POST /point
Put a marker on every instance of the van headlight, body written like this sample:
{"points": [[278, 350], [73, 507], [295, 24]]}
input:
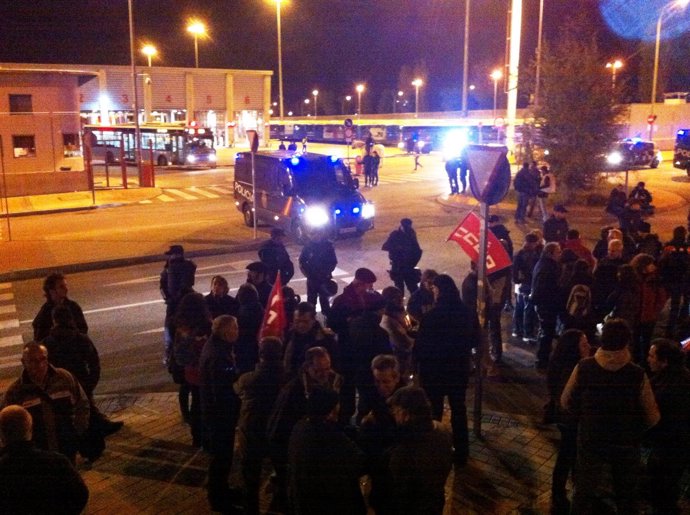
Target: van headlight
{"points": [[368, 210], [316, 216], [191, 158], [212, 157], [614, 158]]}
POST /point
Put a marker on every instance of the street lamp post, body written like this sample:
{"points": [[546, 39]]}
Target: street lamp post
{"points": [[615, 65], [316, 94], [465, 58], [280, 59], [149, 51], [306, 105], [196, 29], [496, 75], [359, 88], [348, 99], [417, 83], [680, 4], [396, 100]]}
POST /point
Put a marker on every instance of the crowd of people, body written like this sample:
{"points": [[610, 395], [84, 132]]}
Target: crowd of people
{"points": [[360, 390]]}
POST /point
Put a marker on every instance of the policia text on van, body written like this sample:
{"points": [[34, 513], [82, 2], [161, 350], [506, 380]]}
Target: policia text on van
{"points": [[301, 193]]}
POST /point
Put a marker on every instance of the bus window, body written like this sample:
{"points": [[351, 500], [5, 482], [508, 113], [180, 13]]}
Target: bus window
{"points": [[70, 144]]}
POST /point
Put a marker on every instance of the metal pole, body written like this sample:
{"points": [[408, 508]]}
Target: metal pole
{"points": [[280, 59], [656, 71], [465, 58], [4, 191], [137, 130], [495, 95], [481, 311], [254, 193], [416, 101], [539, 38], [196, 51]]}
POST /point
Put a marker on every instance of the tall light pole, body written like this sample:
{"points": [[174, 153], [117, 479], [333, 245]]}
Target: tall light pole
{"points": [[137, 130], [537, 79], [396, 100], [679, 4], [496, 75], [465, 58], [149, 51], [197, 29], [348, 99], [417, 83], [615, 65], [306, 105], [359, 89], [280, 58], [316, 95]]}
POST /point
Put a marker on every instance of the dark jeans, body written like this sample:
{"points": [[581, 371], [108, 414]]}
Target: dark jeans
{"points": [[453, 180], [458, 411], [405, 277], [521, 210], [565, 462], [547, 332], [591, 472], [524, 316], [665, 468], [494, 313], [316, 289], [195, 416], [253, 448]]}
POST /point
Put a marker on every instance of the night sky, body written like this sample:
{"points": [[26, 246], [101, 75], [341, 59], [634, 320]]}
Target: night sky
{"points": [[327, 44]]}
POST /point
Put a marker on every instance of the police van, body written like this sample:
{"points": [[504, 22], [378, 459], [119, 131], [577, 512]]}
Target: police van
{"points": [[301, 193]]}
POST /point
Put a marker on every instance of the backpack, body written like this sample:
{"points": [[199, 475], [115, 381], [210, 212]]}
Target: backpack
{"points": [[579, 303]]}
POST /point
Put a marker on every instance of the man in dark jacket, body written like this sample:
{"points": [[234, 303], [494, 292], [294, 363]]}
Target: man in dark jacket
{"points": [[546, 299], [670, 438], [325, 465], [613, 401], [257, 275], [443, 349], [258, 391], [556, 227], [317, 262], [674, 271], [605, 277], [523, 266], [55, 291], [219, 407], [274, 256], [306, 333], [526, 188], [33, 480], [422, 300], [404, 253]]}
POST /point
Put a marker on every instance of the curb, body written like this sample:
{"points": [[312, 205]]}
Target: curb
{"points": [[35, 273]]}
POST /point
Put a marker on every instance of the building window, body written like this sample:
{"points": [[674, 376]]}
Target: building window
{"points": [[24, 146], [21, 104], [70, 144]]}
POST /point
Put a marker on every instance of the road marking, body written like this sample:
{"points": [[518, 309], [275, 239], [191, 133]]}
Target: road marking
{"points": [[9, 324], [150, 331], [205, 193], [11, 341], [10, 308], [5, 286], [6, 296], [165, 198], [181, 193], [147, 201], [220, 189]]}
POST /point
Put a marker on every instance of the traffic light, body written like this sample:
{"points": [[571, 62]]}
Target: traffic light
{"points": [[651, 119]]}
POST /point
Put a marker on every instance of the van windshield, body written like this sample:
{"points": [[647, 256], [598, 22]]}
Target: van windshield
{"points": [[322, 177]]}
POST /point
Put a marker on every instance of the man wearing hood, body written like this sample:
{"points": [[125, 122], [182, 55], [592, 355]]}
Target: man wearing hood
{"points": [[613, 401]]}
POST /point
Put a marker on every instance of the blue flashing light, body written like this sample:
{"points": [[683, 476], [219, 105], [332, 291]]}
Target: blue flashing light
{"points": [[334, 159], [355, 210], [338, 211], [681, 132], [294, 161]]}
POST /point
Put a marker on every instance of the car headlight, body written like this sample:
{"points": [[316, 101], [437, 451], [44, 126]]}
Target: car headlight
{"points": [[614, 158], [316, 216], [368, 210], [191, 158], [212, 157]]}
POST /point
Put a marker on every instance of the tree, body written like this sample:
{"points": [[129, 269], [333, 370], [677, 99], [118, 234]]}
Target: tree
{"points": [[577, 114]]}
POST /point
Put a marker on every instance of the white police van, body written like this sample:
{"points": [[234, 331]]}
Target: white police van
{"points": [[301, 193]]}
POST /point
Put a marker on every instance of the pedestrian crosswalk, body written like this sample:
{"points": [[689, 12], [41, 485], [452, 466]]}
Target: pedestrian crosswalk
{"points": [[191, 193], [11, 340]]}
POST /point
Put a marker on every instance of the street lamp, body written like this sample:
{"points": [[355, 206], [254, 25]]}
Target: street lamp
{"points": [[280, 58], [496, 75], [615, 65], [348, 99], [149, 51], [679, 4], [316, 94], [197, 29], [417, 83], [396, 100], [359, 89]]}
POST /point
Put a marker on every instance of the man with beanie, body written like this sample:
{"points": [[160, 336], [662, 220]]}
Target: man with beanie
{"points": [[614, 404]]}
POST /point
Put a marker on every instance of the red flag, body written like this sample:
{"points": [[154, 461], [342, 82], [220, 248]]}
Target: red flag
{"points": [[274, 321], [466, 234]]}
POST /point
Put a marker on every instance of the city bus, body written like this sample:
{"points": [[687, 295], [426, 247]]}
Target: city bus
{"points": [[172, 143], [681, 150]]}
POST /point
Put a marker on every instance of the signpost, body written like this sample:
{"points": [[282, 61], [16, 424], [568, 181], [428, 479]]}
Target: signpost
{"points": [[348, 136], [253, 137], [489, 183]]}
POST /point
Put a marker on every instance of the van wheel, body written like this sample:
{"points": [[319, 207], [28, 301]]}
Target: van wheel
{"points": [[162, 161], [248, 216]]}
